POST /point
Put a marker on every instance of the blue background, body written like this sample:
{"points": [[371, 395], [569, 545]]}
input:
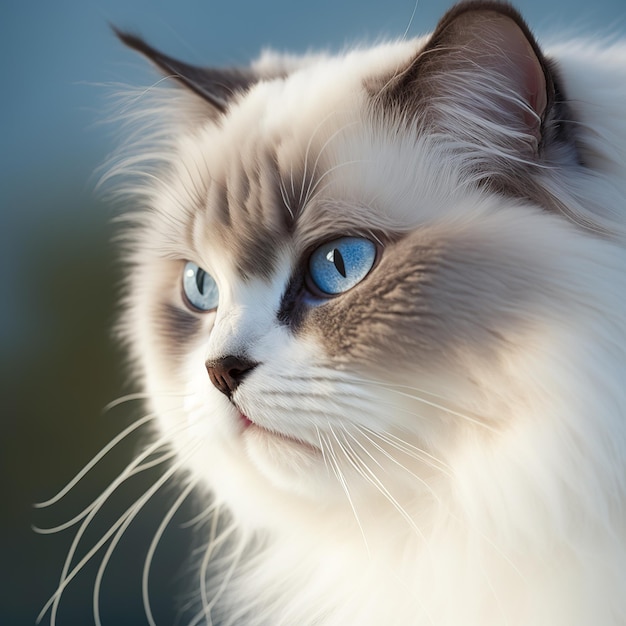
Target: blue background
{"points": [[58, 366]]}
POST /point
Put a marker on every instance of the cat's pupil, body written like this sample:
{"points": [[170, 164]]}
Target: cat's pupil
{"points": [[200, 280], [334, 256]]}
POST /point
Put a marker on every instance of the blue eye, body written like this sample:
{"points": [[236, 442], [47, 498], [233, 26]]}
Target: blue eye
{"points": [[200, 288], [341, 264]]}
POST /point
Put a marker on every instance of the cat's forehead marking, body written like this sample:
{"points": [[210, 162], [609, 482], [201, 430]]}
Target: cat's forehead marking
{"points": [[254, 205], [249, 218]]}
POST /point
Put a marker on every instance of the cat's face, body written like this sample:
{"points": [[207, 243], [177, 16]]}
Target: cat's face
{"points": [[327, 300]]}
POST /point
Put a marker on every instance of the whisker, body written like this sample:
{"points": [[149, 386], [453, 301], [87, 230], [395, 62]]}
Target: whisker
{"points": [[197, 519], [394, 389], [72, 522], [321, 446], [283, 193], [487, 579], [124, 521], [344, 485], [368, 474], [235, 559], [213, 544], [371, 477], [137, 396], [417, 453], [293, 190], [123, 399], [64, 579], [96, 459], [380, 383], [408, 27], [306, 156], [207, 551], [307, 196], [394, 461], [446, 470], [311, 192], [153, 546]]}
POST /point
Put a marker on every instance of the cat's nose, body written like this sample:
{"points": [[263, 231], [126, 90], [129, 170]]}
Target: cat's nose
{"points": [[226, 373]]}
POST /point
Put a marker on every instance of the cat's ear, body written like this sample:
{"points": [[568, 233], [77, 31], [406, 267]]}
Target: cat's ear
{"points": [[481, 66], [216, 86]]}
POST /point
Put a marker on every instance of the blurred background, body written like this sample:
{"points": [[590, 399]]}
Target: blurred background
{"points": [[59, 366]]}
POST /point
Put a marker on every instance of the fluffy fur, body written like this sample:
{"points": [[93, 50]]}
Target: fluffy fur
{"points": [[445, 443]]}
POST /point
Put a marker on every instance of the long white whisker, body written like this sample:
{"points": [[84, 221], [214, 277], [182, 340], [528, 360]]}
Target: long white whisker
{"points": [[344, 485], [54, 600], [283, 193], [392, 440], [138, 396], [435, 405], [208, 551], [364, 470], [306, 160], [72, 522], [311, 191], [307, 196], [293, 189], [119, 528], [213, 544], [408, 27], [319, 154], [388, 385], [197, 519], [235, 559], [319, 438], [126, 519], [418, 454], [96, 459], [123, 399], [487, 579], [448, 410], [393, 460], [439, 466], [153, 546]]}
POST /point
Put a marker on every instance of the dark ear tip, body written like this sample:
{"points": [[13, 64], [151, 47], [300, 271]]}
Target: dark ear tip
{"points": [[122, 35], [215, 86], [132, 40]]}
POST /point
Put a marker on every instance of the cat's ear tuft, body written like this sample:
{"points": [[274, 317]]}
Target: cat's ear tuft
{"points": [[216, 86], [481, 59]]}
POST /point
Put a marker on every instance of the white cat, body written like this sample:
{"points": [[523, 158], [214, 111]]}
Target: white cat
{"points": [[378, 303]]}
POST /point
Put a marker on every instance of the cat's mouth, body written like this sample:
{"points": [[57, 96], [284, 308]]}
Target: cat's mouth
{"points": [[257, 430], [245, 420]]}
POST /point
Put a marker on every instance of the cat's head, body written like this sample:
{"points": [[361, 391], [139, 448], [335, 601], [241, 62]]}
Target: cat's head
{"points": [[344, 269]]}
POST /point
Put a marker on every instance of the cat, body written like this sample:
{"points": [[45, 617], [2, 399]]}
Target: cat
{"points": [[377, 302]]}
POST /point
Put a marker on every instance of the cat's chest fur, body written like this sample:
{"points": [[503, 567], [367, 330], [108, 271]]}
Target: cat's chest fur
{"points": [[449, 577]]}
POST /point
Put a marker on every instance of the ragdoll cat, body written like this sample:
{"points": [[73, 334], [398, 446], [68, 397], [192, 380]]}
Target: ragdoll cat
{"points": [[378, 303]]}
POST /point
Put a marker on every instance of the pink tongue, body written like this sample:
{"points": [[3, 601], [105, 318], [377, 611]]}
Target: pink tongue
{"points": [[246, 421]]}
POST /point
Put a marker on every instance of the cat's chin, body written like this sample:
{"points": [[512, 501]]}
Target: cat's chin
{"points": [[288, 463]]}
